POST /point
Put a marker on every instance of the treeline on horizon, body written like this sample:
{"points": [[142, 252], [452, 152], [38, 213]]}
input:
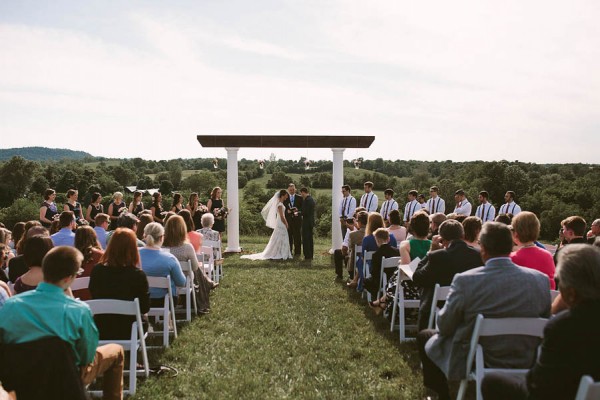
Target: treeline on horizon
{"points": [[552, 191]]}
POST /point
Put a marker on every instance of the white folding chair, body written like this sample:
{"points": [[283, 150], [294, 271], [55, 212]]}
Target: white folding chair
{"points": [[357, 255], [440, 293], [588, 389], [494, 327], [80, 283], [218, 257], [367, 258], [554, 294], [136, 342], [188, 290], [400, 305], [386, 263], [167, 311], [206, 259]]}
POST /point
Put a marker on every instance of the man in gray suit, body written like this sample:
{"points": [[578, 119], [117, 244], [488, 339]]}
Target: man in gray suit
{"points": [[499, 289]]}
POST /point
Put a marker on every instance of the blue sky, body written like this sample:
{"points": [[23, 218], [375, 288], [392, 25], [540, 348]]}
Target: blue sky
{"points": [[432, 81]]}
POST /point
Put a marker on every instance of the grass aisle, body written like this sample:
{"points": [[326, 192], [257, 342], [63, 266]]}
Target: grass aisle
{"points": [[286, 330]]}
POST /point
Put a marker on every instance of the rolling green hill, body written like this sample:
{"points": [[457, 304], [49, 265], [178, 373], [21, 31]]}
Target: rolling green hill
{"points": [[42, 154]]}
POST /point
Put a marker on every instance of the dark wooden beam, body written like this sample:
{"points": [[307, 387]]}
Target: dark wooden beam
{"points": [[287, 141]]}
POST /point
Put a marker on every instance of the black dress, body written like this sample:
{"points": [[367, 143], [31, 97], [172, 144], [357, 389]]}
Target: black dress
{"points": [[76, 209], [95, 211], [51, 211], [115, 213], [219, 225], [121, 283]]}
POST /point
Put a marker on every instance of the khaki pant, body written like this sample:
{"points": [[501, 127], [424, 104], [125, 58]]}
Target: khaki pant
{"points": [[108, 362]]}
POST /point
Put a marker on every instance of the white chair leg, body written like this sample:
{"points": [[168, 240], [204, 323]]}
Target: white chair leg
{"points": [[462, 389], [395, 305]]}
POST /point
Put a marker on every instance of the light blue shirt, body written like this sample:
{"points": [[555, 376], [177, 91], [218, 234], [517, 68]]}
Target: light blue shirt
{"points": [[48, 312], [161, 263], [101, 235], [64, 237]]}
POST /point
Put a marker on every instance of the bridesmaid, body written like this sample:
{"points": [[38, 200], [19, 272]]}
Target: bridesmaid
{"points": [[114, 209], [177, 203], [94, 209], [156, 209], [214, 205], [194, 207], [136, 206], [48, 209], [73, 205]]}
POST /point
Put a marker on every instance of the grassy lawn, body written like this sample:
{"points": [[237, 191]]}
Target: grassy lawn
{"points": [[286, 329]]}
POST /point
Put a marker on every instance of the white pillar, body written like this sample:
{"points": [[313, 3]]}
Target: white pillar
{"points": [[336, 198], [233, 202]]}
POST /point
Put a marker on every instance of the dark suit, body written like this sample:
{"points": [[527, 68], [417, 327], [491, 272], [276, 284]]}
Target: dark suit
{"points": [[570, 349], [308, 223], [294, 222], [440, 266]]}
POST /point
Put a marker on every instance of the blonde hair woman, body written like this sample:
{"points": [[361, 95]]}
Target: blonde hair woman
{"points": [[115, 208]]}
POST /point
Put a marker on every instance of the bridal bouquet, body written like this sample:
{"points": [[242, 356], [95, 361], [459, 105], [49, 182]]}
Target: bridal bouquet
{"points": [[221, 213]]}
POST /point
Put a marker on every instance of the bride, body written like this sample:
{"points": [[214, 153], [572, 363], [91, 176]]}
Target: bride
{"points": [[278, 247]]}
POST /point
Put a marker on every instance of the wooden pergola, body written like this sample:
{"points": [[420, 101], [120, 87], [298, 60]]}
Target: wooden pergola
{"points": [[232, 143]]}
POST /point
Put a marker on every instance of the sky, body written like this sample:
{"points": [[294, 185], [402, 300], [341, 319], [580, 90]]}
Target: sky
{"points": [[434, 80]]}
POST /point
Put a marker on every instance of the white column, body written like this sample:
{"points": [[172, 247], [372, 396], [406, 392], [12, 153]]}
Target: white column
{"points": [[233, 202], [336, 198]]}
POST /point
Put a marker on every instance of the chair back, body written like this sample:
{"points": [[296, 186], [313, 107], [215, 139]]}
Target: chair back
{"points": [[214, 244], [159, 282], [554, 294], [588, 389], [440, 293], [80, 283]]}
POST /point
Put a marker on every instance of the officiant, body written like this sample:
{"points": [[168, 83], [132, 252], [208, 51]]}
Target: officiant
{"points": [[294, 219]]}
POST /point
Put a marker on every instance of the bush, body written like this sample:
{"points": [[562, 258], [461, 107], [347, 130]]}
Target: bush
{"points": [[21, 210]]}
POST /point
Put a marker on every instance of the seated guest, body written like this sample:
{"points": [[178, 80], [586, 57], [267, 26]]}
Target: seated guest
{"points": [[118, 276], [194, 237], [355, 239], [384, 250], [87, 243], [340, 256], [570, 348], [396, 228], [435, 222], [129, 221], [16, 266], [505, 219], [208, 220], [5, 239], [526, 229], [500, 289], [472, 227], [48, 312], [573, 231], [178, 244], [440, 266], [17, 233], [4, 293], [65, 235], [374, 222], [4, 254], [591, 236], [417, 246], [145, 219], [34, 250], [101, 222], [159, 263]]}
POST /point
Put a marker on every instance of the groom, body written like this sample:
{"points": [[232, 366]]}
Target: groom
{"points": [[308, 222], [293, 205]]}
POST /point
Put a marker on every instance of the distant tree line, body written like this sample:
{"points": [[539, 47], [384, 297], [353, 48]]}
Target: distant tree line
{"points": [[552, 191]]}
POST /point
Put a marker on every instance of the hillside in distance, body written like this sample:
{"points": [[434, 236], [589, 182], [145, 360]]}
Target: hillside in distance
{"points": [[42, 154]]}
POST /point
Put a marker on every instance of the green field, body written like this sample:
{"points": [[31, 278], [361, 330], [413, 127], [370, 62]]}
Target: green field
{"points": [[286, 329]]}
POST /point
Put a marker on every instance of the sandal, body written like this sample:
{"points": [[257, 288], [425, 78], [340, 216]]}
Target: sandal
{"points": [[377, 308]]}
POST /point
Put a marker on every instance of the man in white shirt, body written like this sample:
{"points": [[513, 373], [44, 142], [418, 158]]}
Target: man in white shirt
{"points": [[347, 207], [369, 200], [421, 200], [463, 207], [486, 210], [388, 205], [412, 206], [435, 204], [510, 207]]}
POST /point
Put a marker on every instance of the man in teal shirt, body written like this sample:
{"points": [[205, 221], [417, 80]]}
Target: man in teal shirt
{"points": [[48, 312]]}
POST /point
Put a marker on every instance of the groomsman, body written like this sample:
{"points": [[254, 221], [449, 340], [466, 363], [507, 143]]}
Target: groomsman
{"points": [[435, 204], [412, 206], [510, 207], [463, 207], [308, 223], [293, 204], [421, 200], [347, 207], [388, 205], [369, 200], [486, 211]]}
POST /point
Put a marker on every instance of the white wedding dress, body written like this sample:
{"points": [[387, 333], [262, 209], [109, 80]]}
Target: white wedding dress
{"points": [[278, 247]]}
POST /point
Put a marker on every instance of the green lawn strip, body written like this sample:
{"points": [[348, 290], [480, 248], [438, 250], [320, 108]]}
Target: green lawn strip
{"points": [[286, 329]]}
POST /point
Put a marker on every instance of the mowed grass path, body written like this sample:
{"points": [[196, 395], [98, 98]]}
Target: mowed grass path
{"points": [[286, 329]]}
